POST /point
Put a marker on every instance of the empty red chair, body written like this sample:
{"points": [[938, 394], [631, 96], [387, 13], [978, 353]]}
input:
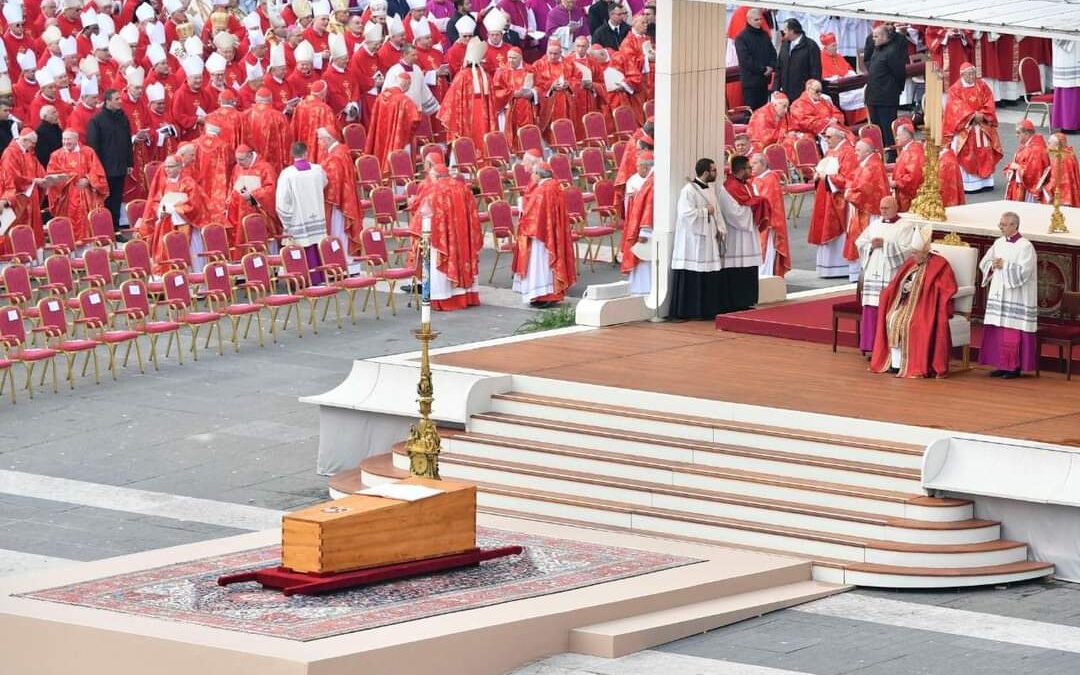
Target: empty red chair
{"points": [[497, 150], [217, 248], [139, 315], [257, 238], [355, 136], [60, 235], [13, 340], [260, 289], [139, 265], [592, 163], [489, 181], [24, 250], [95, 321], [61, 280], [604, 205], [402, 169], [625, 122], [377, 257], [178, 255], [575, 208], [18, 290], [617, 152], [150, 170], [369, 173], [99, 273], [463, 155], [220, 298], [1035, 96], [134, 210], [102, 232], [178, 299], [595, 130], [530, 138], [776, 158], [52, 323], [563, 138], [561, 169], [336, 268], [502, 230], [297, 278], [522, 178]]}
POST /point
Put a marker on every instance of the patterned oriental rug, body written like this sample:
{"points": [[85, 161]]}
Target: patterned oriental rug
{"points": [[189, 592]]}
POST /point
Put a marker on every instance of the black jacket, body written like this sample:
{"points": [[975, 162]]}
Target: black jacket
{"points": [[109, 134], [797, 66], [755, 52], [597, 15], [609, 38], [7, 133], [49, 140], [885, 67]]}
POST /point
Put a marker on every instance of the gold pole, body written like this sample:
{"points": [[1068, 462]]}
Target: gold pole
{"points": [[927, 203], [1057, 218], [423, 444]]}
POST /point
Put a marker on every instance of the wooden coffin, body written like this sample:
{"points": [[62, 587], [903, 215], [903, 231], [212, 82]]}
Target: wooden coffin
{"points": [[362, 531]]}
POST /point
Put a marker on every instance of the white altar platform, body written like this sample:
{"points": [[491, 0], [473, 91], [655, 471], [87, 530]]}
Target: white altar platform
{"points": [[982, 220]]}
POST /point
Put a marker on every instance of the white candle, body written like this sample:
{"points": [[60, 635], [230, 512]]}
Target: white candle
{"points": [[426, 226], [425, 314]]}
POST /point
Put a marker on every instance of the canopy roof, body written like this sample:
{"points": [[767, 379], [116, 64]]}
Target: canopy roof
{"points": [[1039, 18]]}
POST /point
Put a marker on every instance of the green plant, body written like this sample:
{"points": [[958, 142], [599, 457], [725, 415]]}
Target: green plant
{"points": [[550, 319]]}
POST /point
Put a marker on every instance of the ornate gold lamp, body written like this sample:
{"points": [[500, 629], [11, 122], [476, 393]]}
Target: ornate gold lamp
{"points": [[423, 444], [927, 203], [1057, 218]]}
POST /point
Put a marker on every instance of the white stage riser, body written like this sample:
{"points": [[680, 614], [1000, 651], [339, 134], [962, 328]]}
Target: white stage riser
{"points": [[708, 434], [740, 537], [705, 458], [860, 578], [745, 487], [704, 506]]}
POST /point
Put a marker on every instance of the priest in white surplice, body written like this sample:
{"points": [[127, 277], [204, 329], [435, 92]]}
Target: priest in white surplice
{"points": [[301, 205], [696, 264], [1011, 319], [743, 213], [883, 247]]}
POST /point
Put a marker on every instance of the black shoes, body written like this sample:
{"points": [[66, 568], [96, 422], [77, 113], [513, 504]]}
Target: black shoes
{"points": [[1006, 374], [998, 373]]}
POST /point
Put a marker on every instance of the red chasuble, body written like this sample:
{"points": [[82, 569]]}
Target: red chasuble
{"points": [[310, 115], [456, 234], [214, 158], [185, 105], [79, 119], [765, 129], [868, 186], [544, 218], [365, 66], [555, 104], [341, 191], [238, 207], [159, 226], [813, 117], [393, 122], [1069, 178], [22, 168], [829, 218], [1034, 170], [519, 112], [927, 341], [768, 187], [469, 107], [231, 122], [950, 51], [639, 214], [979, 146], [952, 183], [908, 173], [268, 132], [633, 52], [68, 199], [138, 114]]}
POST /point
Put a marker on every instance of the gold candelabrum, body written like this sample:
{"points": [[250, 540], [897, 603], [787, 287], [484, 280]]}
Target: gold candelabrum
{"points": [[423, 444], [1057, 218], [927, 203]]}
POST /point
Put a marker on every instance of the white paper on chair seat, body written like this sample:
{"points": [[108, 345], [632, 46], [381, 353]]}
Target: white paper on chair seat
{"points": [[334, 245], [294, 254], [178, 281], [404, 492], [828, 166], [376, 236], [95, 299], [133, 290], [256, 263], [219, 272], [13, 314], [613, 79], [54, 306]]}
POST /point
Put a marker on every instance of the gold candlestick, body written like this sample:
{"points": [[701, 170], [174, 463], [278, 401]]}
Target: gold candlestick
{"points": [[1057, 218], [423, 444], [927, 203]]}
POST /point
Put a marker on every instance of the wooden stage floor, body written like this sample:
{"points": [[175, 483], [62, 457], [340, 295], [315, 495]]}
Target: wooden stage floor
{"points": [[694, 359]]}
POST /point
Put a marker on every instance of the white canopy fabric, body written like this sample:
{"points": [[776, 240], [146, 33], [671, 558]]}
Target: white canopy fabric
{"points": [[1038, 18]]}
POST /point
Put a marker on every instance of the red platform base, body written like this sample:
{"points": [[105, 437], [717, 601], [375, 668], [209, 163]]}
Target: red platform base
{"points": [[303, 583]]}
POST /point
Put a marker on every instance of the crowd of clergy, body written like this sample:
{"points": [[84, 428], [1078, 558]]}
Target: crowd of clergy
{"points": [[245, 113]]}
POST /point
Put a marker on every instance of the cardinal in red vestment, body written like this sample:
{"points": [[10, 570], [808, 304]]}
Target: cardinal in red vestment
{"points": [[556, 80], [470, 107], [1068, 175], [950, 178], [912, 338], [228, 119], [774, 236], [639, 216], [192, 101], [84, 188], [160, 218], [813, 113], [163, 135], [907, 175], [1029, 170], [138, 113], [545, 264], [252, 190], [456, 239], [393, 121], [639, 56], [829, 218], [950, 48], [214, 157], [344, 215], [364, 65], [311, 114], [868, 185], [622, 94], [268, 131], [769, 125], [515, 96], [22, 166], [970, 125]]}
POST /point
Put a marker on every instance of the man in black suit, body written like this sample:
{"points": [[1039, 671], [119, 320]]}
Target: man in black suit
{"points": [[610, 34], [800, 60], [886, 64], [757, 60]]}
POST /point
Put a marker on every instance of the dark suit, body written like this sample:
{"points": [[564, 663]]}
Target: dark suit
{"points": [[609, 37], [756, 53], [797, 66], [885, 78]]}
